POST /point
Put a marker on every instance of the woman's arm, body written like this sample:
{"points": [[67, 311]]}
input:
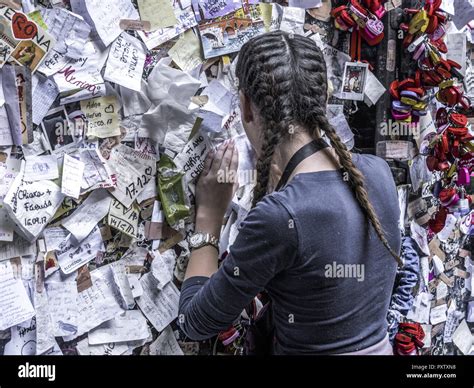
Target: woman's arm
{"points": [[267, 243]]}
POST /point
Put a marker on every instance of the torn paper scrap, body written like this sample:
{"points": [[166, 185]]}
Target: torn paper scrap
{"points": [[88, 214]]}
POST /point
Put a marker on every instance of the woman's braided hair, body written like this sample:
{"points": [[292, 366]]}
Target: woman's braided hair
{"points": [[284, 75]]}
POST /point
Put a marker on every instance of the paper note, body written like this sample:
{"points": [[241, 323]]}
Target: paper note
{"points": [[123, 219], [62, 305], [130, 326], [39, 168], [125, 62], [73, 170], [160, 307], [162, 270], [133, 171], [71, 33], [88, 214], [186, 53], [111, 349], [438, 314], [99, 303], [159, 13], [373, 89], [15, 306], [107, 14], [44, 324], [191, 159], [166, 344], [185, 19], [462, 337], [32, 205], [102, 116], [23, 339], [456, 43], [43, 97], [82, 76], [73, 255], [96, 173]]}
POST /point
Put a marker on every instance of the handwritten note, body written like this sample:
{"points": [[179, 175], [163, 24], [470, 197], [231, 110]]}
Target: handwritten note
{"points": [[159, 13], [32, 204], [123, 219], [186, 20], [191, 159], [73, 255], [186, 53], [160, 307], [133, 171], [15, 306], [44, 167], [130, 326], [106, 15], [125, 62], [99, 303], [166, 344], [88, 214], [62, 305], [102, 116], [73, 170]]}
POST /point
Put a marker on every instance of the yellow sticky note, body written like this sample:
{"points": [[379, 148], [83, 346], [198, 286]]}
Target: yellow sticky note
{"points": [[160, 13], [102, 116], [186, 53]]}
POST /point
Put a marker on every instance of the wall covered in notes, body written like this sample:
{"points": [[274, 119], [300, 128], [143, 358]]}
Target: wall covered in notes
{"points": [[108, 109]]}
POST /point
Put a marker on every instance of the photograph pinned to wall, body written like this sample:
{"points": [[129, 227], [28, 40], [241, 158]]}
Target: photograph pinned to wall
{"points": [[227, 34], [353, 82], [7, 41], [56, 128], [28, 54]]}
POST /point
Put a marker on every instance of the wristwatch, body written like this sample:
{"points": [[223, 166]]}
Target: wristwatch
{"points": [[199, 239]]}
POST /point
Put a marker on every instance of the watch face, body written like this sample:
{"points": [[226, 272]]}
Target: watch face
{"points": [[196, 239]]}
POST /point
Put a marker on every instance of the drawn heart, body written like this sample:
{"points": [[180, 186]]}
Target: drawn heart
{"points": [[109, 109], [22, 27]]}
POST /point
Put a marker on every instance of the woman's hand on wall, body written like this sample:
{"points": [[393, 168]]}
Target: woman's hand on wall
{"points": [[216, 186]]}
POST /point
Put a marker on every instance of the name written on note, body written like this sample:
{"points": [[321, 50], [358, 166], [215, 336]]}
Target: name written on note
{"points": [[123, 219], [102, 116], [33, 204], [191, 159], [125, 63]]}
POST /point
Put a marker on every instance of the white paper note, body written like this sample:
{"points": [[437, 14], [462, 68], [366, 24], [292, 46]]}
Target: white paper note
{"points": [[107, 14], [130, 326], [166, 344], [160, 307], [73, 170], [72, 255], [15, 306], [88, 214], [125, 62], [39, 168]]}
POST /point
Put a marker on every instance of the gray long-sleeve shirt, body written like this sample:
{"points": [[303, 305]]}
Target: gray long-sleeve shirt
{"points": [[329, 276]]}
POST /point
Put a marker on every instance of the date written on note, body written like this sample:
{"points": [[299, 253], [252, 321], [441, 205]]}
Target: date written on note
{"points": [[102, 116]]}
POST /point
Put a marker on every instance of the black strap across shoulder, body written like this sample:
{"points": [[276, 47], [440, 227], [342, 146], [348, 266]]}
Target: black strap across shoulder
{"points": [[304, 152]]}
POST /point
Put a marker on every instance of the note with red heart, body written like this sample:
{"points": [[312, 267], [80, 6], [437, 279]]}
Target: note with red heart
{"points": [[23, 28]]}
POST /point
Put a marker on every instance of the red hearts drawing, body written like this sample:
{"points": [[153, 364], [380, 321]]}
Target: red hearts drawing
{"points": [[22, 27]]}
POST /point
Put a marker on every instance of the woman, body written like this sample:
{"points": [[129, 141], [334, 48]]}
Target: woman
{"points": [[323, 247]]}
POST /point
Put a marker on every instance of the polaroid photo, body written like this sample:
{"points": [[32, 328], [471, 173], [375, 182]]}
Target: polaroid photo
{"points": [[56, 128], [354, 80]]}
